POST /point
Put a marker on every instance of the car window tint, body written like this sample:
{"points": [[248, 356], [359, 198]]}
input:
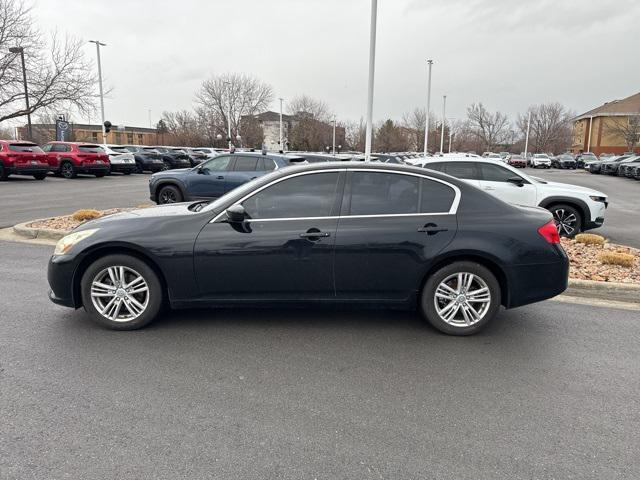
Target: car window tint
{"points": [[217, 164], [310, 195], [46, 148], [435, 197], [265, 165], [90, 149], [495, 173], [60, 147], [466, 170], [435, 166], [245, 164], [25, 147], [377, 193]]}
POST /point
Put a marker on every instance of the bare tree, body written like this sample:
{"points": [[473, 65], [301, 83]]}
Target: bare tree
{"points": [[183, 129], [626, 128], [491, 129], [58, 75], [305, 105], [550, 127], [355, 133], [230, 95], [311, 129]]}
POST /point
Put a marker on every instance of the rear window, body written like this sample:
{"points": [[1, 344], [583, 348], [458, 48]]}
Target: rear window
{"points": [[121, 149], [25, 147], [90, 149]]}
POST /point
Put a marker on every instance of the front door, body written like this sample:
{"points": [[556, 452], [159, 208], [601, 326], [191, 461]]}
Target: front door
{"points": [[495, 180], [208, 180], [283, 251], [392, 225]]}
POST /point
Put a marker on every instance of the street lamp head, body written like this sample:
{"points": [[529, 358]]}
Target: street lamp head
{"points": [[16, 50]]}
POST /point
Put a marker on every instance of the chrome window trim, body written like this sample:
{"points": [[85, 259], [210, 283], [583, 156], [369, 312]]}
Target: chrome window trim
{"points": [[452, 210]]}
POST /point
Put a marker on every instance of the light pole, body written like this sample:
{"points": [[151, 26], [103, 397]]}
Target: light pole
{"points": [[334, 135], [228, 84], [450, 134], [281, 140], [589, 139], [372, 67], [526, 138], [426, 127], [98, 45], [444, 120], [20, 50]]}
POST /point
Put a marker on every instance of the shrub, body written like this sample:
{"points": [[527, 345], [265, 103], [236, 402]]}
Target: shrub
{"points": [[85, 214], [590, 239], [616, 258]]}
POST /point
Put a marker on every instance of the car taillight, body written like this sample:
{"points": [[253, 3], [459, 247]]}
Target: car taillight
{"points": [[549, 232]]}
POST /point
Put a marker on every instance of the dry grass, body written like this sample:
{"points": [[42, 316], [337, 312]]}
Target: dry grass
{"points": [[85, 214], [590, 239], [616, 258], [144, 205]]}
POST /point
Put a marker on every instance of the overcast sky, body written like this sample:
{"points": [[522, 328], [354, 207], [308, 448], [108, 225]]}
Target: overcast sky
{"points": [[506, 53]]}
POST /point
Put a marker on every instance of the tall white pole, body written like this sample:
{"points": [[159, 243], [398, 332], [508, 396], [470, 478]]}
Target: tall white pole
{"points": [[444, 120], [372, 67], [450, 138], [589, 139], [426, 126], [281, 137], [334, 135], [526, 139], [98, 45], [228, 84]]}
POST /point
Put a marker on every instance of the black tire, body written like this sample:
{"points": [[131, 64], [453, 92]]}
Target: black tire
{"points": [[139, 167], [40, 176], [167, 165], [154, 298], [457, 325], [3, 173], [100, 175], [568, 219], [169, 194], [67, 170], [127, 172]]}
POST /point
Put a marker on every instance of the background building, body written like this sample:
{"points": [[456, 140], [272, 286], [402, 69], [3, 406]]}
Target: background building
{"points": [[81, 132], [611, 128]]}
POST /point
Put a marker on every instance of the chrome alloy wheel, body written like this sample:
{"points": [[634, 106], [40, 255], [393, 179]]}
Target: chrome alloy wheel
{"points": [[119, 293], [462, 299], [565, 222]]}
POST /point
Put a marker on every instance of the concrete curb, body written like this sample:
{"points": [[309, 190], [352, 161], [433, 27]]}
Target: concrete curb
{"points": [[620, 292], [41, 233]]}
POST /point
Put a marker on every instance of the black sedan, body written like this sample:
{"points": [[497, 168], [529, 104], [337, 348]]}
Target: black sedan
{"points": [[213, 178], [146, 160], [563, 161], [325, 233]]}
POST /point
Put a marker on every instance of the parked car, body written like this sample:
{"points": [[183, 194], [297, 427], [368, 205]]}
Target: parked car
{"points": [[574, 208], [211, 152], [611, 167], [71, 158], [196, 156], [494, 156], [628, 169], [215, 177], [517, 161], [583, 158], [119, 161], [540, 160], [147, 160], [22, 158], [323, 233], [564, 161], [171, 158]]}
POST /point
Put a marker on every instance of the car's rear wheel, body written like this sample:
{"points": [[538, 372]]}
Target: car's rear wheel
{"points": [[568, 220], [121, 292], [460, 298], [169, 194], [99, 175], [67, 170]]}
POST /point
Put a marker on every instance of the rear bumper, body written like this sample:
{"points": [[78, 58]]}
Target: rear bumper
{"points": [[92, 169], [123, 167], [40, 168], [533, 283]]}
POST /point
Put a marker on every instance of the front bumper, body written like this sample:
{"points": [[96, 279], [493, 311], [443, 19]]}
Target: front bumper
{"points": [[60, 274]]}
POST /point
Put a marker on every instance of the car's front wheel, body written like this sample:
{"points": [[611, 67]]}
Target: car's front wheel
{"points": [[121, 292], [67, 170], [568, 220], [460, 298], [169, 194]]}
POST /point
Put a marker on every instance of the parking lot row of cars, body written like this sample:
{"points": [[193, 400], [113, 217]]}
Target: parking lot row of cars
{"points": [[68, 159], [627, 165]]}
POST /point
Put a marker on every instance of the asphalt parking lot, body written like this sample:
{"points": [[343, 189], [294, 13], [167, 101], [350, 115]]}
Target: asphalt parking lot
{"points": [[547, 391], [25, 199]]}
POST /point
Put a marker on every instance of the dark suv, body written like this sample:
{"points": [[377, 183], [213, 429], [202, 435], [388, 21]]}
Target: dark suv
{"points": [[146, 160], [22, 158], [215, 177], [564, 161], [172, 158], [71, 158]]}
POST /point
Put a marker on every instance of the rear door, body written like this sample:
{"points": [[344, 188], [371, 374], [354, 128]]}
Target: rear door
{"points": [[245, 168], [494, 180], [391, 226]]}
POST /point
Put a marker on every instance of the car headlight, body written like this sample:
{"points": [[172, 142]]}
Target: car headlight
{"points": [[597, 199], [65, 243]]}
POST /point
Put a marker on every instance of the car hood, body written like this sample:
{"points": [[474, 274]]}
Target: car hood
{"points": [[140, 214], [169, 173], [564, 188]]}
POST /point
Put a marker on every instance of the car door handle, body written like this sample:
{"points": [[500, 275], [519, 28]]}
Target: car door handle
{"points": [[314, 233], [431, 229], [220, 177], [489, 188]]}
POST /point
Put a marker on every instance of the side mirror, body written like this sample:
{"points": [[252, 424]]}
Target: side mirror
{"points": [[236, 214], [202, 171], [518, 181]]}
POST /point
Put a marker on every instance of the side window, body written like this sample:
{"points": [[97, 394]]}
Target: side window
{"points": [[57, 147], [245, 164], [495, 173], [377, 193], [46, 148], [265, 165], [466, 170], [217, 164], [435, 197], [310, 195], [438, 166]]}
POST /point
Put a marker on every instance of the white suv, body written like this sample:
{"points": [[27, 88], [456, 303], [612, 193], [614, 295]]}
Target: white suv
{"points": [[574, 208], [541, 160]]}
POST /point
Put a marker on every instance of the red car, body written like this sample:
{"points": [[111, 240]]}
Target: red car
{"points": [[22, 158], [517, 161], [71, 158]]}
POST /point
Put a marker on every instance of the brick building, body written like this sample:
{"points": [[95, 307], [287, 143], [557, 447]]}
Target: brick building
{"points": [[81, 132]]}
